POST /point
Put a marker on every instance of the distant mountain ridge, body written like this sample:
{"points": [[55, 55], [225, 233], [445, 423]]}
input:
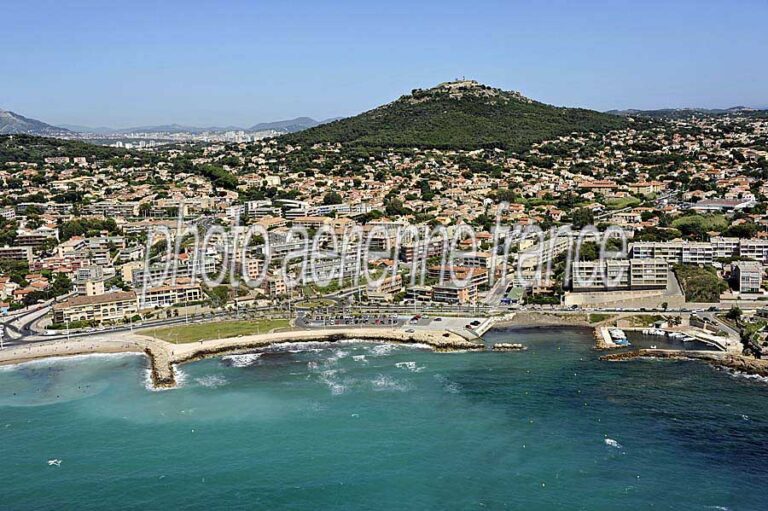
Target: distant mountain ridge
{"points": [[678, 113], [286, 126], [13, 124], [459, 115]]}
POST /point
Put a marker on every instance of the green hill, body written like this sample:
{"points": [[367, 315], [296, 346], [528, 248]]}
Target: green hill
{"points": [[35, 149], [459, 115]]}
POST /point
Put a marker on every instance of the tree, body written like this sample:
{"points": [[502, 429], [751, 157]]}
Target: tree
{"points": [[734, 314], [582, 217], [332, 198]]}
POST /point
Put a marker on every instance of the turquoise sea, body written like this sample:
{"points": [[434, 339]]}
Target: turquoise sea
{"points": [[361, 426]]}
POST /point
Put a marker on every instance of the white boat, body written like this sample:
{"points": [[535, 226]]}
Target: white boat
{"points": [[617, 333], [618, 336]]}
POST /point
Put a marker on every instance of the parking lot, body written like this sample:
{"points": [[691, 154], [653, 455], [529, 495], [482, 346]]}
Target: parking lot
{"points": [[428, 322]]}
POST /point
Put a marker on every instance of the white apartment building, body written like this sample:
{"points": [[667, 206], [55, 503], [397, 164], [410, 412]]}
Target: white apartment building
{"points": [[619, 274], [748, 276], [165, 296], [676, 252], [106, 307]]}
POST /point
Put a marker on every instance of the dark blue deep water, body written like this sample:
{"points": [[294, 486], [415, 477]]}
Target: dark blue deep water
{"points": [[355, 426]]}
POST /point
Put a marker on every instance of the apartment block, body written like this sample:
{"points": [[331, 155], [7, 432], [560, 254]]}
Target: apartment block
{"points": [[675, 252], [16, 253], [620, 274], [747, 276], [106, 307]]}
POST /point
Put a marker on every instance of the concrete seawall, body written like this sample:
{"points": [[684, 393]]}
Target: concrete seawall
{"points": [[163, 355]]}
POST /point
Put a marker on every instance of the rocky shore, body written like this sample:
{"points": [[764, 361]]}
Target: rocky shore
{"points": [[738, 363]]}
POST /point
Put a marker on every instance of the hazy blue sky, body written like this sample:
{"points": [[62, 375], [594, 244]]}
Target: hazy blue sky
{"points": [[241, 62]]}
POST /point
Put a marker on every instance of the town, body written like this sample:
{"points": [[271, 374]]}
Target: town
{"points": [[88, 236]]}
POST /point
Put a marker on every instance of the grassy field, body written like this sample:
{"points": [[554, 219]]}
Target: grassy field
{"points": [[216, 330], [622, 203], [598, 317], [703, 222]]}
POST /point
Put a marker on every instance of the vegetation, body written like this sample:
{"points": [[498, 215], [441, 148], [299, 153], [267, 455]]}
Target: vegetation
{"points": [[622, 203], [216, 330], [28, 148], [700, 284], [598, 317], [697, 226], [475, 117], [87, 227]]}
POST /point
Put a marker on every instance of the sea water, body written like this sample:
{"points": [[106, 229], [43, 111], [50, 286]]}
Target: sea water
{"points": [[366, 426]]}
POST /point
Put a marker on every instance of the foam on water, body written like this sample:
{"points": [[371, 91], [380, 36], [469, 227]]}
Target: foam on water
{"points": [[411, 366], [244, 360], [212, 381], [330, 378], [68, 359], [448, 385], [387, 383], [381, 350], [747, 376]]}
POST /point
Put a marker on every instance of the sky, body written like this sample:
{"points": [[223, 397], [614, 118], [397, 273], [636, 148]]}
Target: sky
{"points": [[219, 63]]}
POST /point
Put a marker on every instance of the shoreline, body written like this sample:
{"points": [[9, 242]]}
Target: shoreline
{"points": [[163, 356]]}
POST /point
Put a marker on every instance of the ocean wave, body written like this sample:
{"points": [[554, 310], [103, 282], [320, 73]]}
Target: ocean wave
{"points": [[448, 386], [68, 359], [212, 381], [179, 375], [411, 366], [360, 358], [297, 347], [329, 378], [747, 376], [243, 360], [387, 383], [610, 442], [380, 350]]}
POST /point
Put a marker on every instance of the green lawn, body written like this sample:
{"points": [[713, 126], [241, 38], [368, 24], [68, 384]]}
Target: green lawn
{"points": [[622, 203], [694, 223], [215, 330], [315, 304], [598, 317]]}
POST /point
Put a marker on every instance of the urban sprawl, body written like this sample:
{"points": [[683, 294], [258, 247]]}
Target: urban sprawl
{"points": [[664, 215]]}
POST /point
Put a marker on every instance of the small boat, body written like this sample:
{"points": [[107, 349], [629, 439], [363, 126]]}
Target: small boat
{"points": [[653, 346]]}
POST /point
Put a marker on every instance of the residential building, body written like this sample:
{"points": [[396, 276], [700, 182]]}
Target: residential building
{"points": [[747, 276], [106, 307]]}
